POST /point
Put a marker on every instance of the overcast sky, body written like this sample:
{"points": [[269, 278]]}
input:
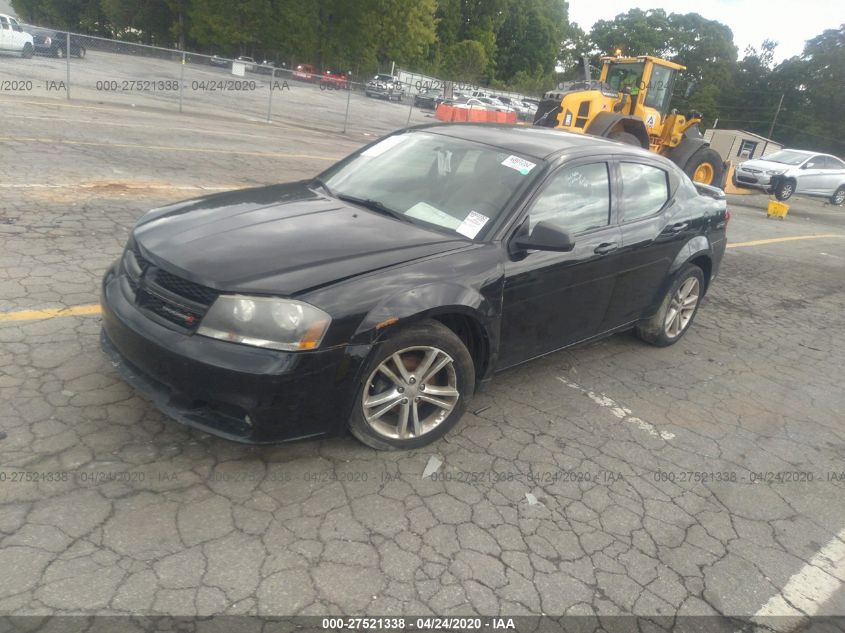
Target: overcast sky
{"points": [[788, 22]]}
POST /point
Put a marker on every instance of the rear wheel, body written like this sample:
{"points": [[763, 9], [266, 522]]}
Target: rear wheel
{"points": [[417, 387], [677, 310], [625, 137], [785, 189], [838, 198], [705, 166], [81, 52], [60, 52]]}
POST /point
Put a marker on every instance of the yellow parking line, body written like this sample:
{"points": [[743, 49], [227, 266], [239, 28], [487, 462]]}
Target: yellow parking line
{"points": [[200, 150], [36, 315], [777, 240]]}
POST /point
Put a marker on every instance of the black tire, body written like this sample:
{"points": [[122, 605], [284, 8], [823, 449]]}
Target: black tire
{"points": [[60, 52], [80, 53], [28, 51], [706, 156], [654, 330], [838, 198], [625, 137], [427, 333], [785, 189]]}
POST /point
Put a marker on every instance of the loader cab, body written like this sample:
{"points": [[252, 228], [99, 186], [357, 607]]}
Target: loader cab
{"points": [[648, 82]]}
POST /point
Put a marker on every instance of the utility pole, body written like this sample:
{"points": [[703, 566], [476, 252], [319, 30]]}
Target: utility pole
{"points": [[772, 129]]}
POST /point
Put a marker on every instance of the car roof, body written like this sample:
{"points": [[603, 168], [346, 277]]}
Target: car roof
{"points": [[539, 142]]}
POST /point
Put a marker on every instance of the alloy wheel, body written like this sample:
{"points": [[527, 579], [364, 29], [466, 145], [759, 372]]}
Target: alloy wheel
{"points": [[681, 308], [839, 197], [410, 393]]}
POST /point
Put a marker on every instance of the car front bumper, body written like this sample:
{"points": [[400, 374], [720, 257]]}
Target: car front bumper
{"points": [[753, 179], [238, 392]]}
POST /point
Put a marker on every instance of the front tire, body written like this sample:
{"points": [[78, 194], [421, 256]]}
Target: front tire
{"points": [[81, 52], [838, 198], [677, 311], [785, 189], [705, 166], [416, 387], [27, 51], [60, 52], [625, 137]]}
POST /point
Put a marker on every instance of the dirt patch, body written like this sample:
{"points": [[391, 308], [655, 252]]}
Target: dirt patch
{"points": [[111, 190]]}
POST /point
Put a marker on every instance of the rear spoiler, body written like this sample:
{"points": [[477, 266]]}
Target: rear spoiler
{"points": [[709, 191]]}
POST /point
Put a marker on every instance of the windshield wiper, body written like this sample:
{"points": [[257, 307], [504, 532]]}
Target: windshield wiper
{"points": [[372, 205]]}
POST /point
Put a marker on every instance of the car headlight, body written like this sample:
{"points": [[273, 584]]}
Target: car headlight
{"points": [[774, 172], [282, 324]]}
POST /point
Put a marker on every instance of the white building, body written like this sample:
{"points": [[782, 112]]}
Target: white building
{"points": [[739, 145]]}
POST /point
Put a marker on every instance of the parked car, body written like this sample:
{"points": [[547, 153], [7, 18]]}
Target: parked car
{"points": [[56, 45], [474, 103], [13, 39], [522, 110], [248, 62], [379, 295], [216, 60], [267, 67], [332, 79], [792, 171], [385, 87], [428, 100], [304, 72]]}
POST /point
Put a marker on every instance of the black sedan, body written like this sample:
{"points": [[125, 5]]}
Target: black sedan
{"points": [[381, 294], [56, 45], [428, 100]]}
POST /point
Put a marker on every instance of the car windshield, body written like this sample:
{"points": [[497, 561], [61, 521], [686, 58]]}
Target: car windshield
{"points": [[787, 157], [427, 178]]}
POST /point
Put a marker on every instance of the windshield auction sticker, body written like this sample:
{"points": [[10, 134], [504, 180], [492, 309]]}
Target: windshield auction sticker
{"points": [[472, 224], [520, 164]]}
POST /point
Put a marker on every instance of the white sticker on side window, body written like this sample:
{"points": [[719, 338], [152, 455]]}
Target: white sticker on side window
{"points": [[472, 224], [520, 164], [381, 147]]}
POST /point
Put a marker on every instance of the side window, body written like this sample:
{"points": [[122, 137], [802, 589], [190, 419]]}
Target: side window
{"points": [[835, 163], [4, 23], [816, 162], [645, 189], [577, 199]]}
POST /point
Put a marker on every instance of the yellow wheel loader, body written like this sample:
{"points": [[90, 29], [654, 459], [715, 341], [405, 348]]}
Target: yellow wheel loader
{"points": [[630, 103]]}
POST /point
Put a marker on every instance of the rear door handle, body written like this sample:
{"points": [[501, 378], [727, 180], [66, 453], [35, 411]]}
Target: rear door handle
{"points": [[605, 248], [677, 228]]}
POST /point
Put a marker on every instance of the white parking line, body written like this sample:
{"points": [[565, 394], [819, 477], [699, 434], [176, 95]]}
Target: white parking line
{"points": [[619, 411], [808, 590]]}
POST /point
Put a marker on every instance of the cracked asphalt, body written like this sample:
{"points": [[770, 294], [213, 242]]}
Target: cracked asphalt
{"points": [[615, 478]]}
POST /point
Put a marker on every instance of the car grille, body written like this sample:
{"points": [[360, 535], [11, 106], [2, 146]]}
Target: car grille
{"points": [[752, 171], [161, 293]]}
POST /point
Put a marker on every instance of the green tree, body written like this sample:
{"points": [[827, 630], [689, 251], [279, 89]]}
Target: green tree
{"points": [[528, 40], [467, 61]]}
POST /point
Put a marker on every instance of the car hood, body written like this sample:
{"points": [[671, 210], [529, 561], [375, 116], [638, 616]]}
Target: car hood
{"points": [[762, 163], [282, 239]]}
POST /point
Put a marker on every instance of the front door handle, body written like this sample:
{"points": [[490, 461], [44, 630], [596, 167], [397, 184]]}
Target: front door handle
{"points": [[605, 248]]}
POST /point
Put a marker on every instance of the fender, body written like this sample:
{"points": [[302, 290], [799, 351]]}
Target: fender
{"points": [[698, 245], [693, 141], [429, 300], [607, 122]]}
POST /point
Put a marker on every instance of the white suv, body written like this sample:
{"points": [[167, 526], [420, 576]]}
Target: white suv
{"points": [[795, 171], [13, 39]]}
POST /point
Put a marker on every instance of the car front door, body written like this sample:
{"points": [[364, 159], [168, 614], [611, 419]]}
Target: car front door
{"points": [[811, 176], [833, 175], [553, 299]]}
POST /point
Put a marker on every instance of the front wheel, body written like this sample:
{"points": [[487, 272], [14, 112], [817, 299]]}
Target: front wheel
{"points": [[27, 51], [784, 190], [60, 52], [81, 52], [705, 166], [677, 310], [838, 198], [416, 388]]}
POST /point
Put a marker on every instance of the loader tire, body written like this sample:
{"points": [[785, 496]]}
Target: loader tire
{"points": [[706, 167]]}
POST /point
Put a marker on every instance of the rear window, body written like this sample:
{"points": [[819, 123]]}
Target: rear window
{"points": [[645, 190]]}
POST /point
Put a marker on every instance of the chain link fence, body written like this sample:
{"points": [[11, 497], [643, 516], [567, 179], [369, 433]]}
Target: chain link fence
{"points": [[71, 66]]}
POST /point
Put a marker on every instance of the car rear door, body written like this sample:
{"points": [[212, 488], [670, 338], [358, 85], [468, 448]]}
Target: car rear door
{"points": [[553, 299], [653, 231]]}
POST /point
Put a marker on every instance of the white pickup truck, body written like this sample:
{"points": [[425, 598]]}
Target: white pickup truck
{"points": [[13, 39]]}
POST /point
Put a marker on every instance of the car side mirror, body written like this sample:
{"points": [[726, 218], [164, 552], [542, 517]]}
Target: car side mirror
{"points": [[546, 236]]}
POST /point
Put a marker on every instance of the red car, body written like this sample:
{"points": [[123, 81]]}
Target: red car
{"points": [[304, 72], [331, 79]]}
